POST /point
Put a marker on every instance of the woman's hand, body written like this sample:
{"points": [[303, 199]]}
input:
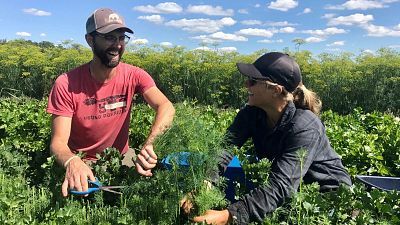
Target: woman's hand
{"points": [[214, 217]]}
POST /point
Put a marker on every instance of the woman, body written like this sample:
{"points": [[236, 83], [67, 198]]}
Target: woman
{"points": [[281, 118]]}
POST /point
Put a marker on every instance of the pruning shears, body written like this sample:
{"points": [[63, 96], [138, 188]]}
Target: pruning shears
{"points": [[95, 186]]}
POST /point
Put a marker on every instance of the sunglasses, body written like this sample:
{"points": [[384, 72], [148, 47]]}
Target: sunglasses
{"points": [[251, 81]]}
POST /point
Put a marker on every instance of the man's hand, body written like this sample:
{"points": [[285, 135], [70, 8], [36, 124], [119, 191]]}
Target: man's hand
{"points": [[76, 175], [214, 217], [146, 160]]}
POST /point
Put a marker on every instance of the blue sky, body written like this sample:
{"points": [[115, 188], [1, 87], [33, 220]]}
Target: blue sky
{"points": [[244, 26]]}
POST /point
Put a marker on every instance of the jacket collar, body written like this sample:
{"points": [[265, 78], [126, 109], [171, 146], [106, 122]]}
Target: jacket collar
{"points": [[287, 116]]}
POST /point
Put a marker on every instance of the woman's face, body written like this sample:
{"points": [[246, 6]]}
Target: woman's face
{"points": [[260, 93]]}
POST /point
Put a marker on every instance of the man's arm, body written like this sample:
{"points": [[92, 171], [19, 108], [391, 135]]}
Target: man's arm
{"points": [[165, 111], [77, 171]]}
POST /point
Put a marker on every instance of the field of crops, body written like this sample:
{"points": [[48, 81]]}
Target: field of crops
{"points": [[361, 111], [30, 180], [344, 81]]}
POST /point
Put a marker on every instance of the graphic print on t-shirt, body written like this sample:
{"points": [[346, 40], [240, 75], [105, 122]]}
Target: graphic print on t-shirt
{"points": [[106, 107]]}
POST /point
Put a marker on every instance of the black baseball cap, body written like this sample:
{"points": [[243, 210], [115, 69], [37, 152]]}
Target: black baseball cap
{"points": [[279, 67], [104, 21]]}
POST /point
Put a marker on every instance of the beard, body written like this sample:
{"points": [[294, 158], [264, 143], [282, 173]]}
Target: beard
{"points": [[108, 56]]}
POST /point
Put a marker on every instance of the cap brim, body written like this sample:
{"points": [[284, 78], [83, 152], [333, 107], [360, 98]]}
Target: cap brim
{"points": [[249, 70], [111, 27]]}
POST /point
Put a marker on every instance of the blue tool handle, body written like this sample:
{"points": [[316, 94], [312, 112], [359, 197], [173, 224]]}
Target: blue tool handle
{"points": [[89, 191], [93, 187]]}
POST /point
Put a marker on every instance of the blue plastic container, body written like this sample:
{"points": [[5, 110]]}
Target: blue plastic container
{"points": [[234, 172]]}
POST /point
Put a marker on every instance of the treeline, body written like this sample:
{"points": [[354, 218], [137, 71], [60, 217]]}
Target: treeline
{"points": [[343, 81]]}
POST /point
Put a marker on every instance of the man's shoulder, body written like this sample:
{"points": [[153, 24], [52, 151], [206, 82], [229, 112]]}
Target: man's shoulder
{"points": [[73, 76], [131, 68], [76, 71]]}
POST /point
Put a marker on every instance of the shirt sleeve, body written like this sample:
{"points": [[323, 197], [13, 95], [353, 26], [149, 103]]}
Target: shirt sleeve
{"points": [[144, 82], [286, 173], [60, 99]]}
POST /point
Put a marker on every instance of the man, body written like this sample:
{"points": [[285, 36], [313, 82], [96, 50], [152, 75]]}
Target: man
{"points": [[91, 104]]}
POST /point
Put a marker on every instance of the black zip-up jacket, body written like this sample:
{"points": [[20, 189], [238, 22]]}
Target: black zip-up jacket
{"points": [[296, 130]]}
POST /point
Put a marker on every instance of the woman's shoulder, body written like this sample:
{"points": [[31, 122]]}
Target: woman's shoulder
{"points": [[304, 118]]}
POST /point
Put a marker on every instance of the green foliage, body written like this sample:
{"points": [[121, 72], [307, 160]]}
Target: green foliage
{"points": [[30, 180], [348, 205], [346, 81], [368, 142], [142, 117], [24, 124], [343, 81], [19, 202]]}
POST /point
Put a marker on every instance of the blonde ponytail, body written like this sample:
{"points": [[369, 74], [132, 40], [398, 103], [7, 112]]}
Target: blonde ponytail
{"points": [[307, 99]]}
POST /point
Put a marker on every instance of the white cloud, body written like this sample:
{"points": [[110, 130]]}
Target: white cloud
{"points": [[206, 39], [210, 10], [328, 16], [390, 1], [287, 30], [359, 5], [165, 7], [219, 37], [363, 4], [255, 32], [314, 39], [227, 37], [355, 19], [336, 43], [166, 44], [222, 49], [157, 19], [283, 5], [326, 32], [140, 41], [363, 21], [36, 12], [394, 46], [333, 49], [268, 41], [279, 24], [43, 35], [257, 6], [251, 22], [203, 48], [243, 11], [201, 25], [368, 51], [306, 10], [227, 49], [380, 31], [23, 34]]}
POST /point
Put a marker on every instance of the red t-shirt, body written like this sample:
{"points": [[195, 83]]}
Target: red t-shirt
{"points": [[100, 111]]}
